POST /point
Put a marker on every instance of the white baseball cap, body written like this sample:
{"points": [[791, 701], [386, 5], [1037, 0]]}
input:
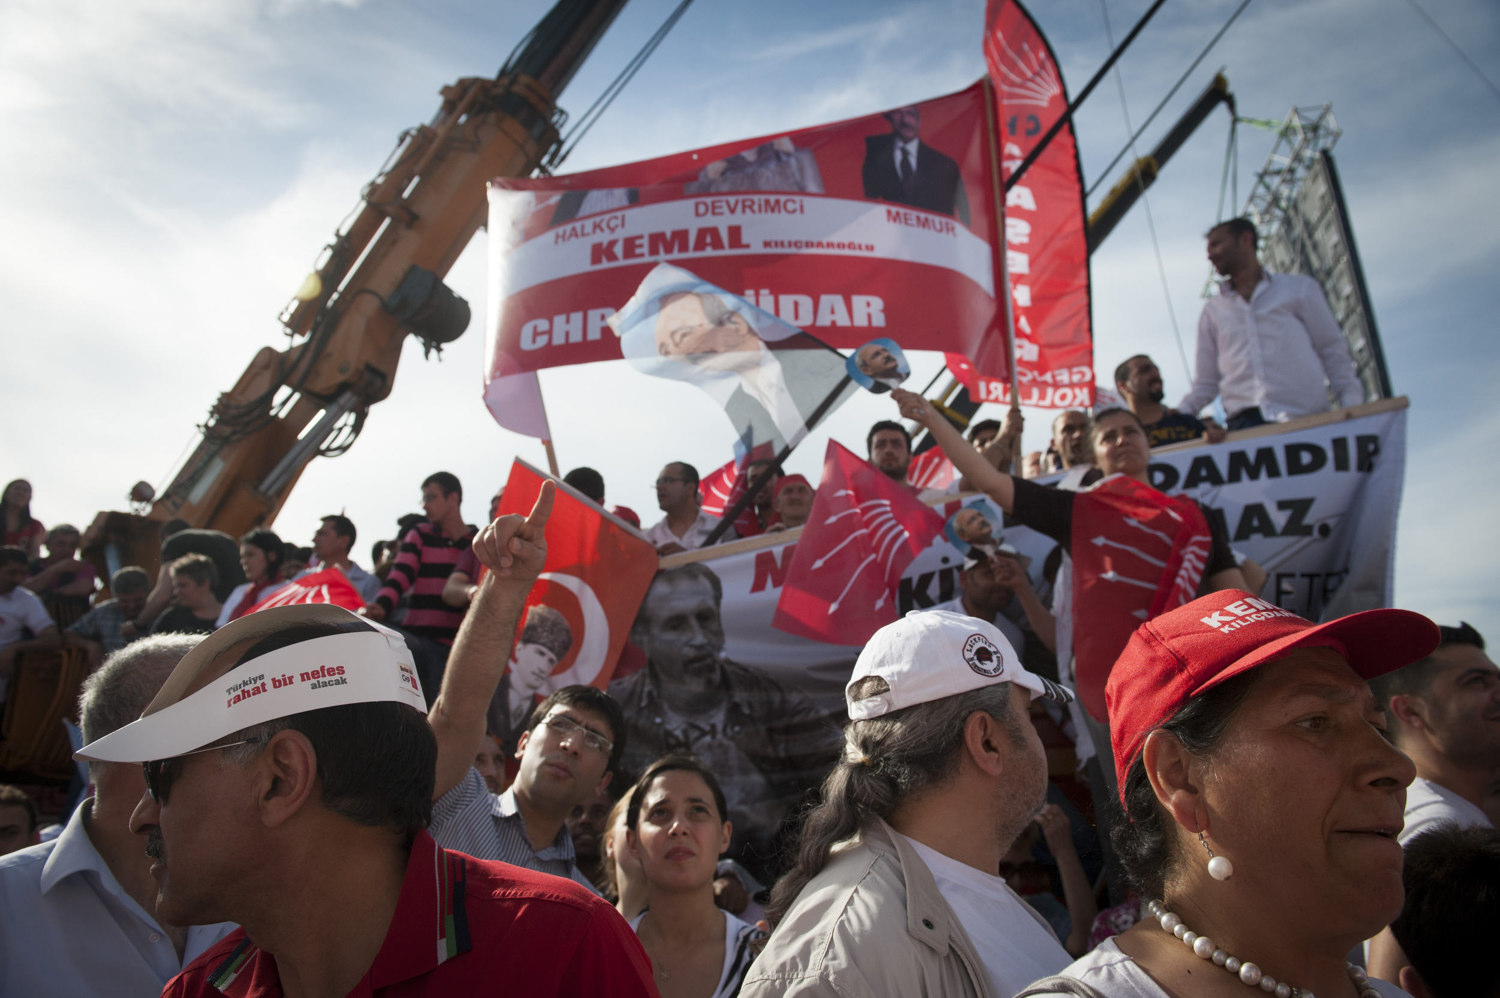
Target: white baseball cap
{"points": [[206, 697], [931, 654]]}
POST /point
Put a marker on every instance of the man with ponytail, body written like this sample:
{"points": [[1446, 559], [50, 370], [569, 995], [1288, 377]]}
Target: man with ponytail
{"points": [[895, 888]]}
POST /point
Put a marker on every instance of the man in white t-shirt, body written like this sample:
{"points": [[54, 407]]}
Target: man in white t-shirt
{"points": [[941, 770], [685, 526], [1444, 712], [21, 612]]}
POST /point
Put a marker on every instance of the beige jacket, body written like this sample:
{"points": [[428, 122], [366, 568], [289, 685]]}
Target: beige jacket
{"points": [[872, 922]]}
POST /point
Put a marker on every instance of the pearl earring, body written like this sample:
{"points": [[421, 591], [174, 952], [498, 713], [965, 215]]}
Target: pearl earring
{"points": [[1219, 867]]}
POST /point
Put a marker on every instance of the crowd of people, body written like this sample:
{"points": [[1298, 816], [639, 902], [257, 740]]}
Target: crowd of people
{"points": [[307, 799]]}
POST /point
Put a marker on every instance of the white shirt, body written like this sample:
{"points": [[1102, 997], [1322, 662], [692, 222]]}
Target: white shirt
{"points": [[1017, 947], [22, 609], [767, 385], [911, 149], [661, 534], [1428, 804], [1110, 971], [738, 934], [70, 928], [1273, 351]]}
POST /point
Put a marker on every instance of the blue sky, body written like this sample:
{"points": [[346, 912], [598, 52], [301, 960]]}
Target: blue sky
{"points": [[172, 169]]}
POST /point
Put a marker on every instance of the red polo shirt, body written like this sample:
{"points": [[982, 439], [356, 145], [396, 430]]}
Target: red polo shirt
{"points": [[463, 926]]}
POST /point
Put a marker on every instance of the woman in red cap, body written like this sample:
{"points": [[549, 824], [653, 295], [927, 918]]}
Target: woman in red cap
{"points": [[1261, 802]]}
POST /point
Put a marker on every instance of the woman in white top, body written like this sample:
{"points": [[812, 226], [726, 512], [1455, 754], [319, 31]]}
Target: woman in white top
{"points": [[1261, 802], [678, 828]]}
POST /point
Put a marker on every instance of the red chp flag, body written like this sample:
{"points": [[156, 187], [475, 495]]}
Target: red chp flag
{"points": [[596, 574], [864, 529], [1136, 553], [931, 469], [327, 586], [826, 228], [1046, 227]]}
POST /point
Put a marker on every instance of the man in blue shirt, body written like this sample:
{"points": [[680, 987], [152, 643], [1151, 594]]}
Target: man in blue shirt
{"points": [[80, 911]]}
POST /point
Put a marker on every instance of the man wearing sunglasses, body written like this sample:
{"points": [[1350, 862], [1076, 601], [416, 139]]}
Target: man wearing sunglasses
{"points": [[572, 743], [289, 766]]}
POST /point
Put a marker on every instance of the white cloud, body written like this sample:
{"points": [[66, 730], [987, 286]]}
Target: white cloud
{"points": [[184, 162]]}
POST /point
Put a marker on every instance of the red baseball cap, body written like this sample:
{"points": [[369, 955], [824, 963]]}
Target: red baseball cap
{"points": [[1190, 650]]}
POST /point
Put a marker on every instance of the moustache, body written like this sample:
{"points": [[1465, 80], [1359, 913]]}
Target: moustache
{"points": [[155, 847]]}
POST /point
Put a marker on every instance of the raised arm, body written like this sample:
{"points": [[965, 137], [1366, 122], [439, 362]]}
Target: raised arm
{"points": [[969, 462], [514, 550]]}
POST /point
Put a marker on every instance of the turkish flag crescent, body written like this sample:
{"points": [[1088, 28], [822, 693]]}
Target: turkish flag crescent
{"points": [[327, 586], [864, 529], [596, 574]]}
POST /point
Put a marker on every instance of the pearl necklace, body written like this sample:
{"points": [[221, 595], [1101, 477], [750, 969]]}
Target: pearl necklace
{"points": [[1248, 973]]}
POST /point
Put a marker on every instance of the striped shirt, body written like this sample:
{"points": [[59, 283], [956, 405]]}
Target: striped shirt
{"points": [[470, 819], [423, 565]]}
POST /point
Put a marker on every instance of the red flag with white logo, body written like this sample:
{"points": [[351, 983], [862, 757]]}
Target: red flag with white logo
{"points": [[1046, 228], [720, 488], [931, 469], [1136, 553], [863, 531], [596, 574], [327, 586]]}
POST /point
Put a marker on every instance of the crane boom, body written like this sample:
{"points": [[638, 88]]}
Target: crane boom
{"points": [[380, 279]]}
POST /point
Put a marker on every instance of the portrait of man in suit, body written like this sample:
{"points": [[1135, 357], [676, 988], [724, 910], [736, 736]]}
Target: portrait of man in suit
{"points": [[900, 167], [769, 376]]}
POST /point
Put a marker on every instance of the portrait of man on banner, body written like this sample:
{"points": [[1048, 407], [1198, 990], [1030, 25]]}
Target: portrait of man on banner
{"points": [[770, 377], [975, 525], [878, 366]]}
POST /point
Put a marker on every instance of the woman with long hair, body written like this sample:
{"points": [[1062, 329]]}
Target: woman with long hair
{"points": [[261, 554], [1261, 802], [678, 827], [21, 530]]}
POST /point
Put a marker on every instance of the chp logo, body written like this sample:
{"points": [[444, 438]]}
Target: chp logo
{"points": [[983, 655], [409, 678]]}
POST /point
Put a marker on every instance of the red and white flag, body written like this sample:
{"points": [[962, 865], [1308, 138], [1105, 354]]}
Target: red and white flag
{"points": [[931, 469], [327, 586], [1046, 228], [864, 529], [815, 226], [1136, 554], [596, 574]]}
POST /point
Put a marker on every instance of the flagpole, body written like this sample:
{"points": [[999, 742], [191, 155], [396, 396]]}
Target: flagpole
{"points": [[547, 440], [727, 520], [1003, 290]]}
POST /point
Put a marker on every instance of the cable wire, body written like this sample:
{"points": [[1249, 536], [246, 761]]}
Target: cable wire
{"points": [[601, 103], [1161, 267], [1454, 45], [1175, 87]]}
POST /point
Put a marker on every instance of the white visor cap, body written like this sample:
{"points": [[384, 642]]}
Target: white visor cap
{"points": [[369, 665]]}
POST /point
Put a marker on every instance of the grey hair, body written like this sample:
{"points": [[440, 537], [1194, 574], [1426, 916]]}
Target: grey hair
{"points": [[121, 688], [886, 761]]}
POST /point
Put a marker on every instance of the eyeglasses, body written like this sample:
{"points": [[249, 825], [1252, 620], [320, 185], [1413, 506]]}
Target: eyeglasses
{"points": [[668, 481], [565, 727], [159, 778]]}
